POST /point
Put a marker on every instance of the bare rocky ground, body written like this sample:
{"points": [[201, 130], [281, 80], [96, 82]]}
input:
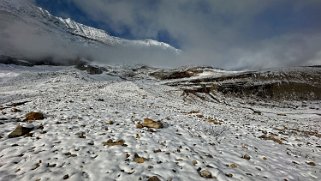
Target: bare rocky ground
{"points": [[127, 124]]}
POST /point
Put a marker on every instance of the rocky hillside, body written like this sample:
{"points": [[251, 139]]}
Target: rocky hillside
{"points": [[300, 83]]}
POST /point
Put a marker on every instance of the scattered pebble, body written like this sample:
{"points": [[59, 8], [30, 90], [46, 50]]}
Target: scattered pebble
{"points": [[246, 157], [15, 110], [311, 163], [194, 162], [65, 177], [110, 142], [232, 165]]}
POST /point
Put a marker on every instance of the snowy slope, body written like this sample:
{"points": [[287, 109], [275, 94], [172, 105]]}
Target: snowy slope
{"points": [[33, 35], [25, 8], [230, 139]]}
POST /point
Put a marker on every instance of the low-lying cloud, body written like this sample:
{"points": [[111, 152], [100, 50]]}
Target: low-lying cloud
{"points": [[226, 34], [229, 34], [27, 39]]}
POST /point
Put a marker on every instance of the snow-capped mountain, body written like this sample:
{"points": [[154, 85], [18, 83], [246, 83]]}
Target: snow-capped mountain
{"points": [[25, 8], [71, 33], [100, 35]]}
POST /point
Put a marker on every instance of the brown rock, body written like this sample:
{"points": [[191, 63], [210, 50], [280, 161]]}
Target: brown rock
{"points": [[215, 121], [200, 116], [51, 165], [34, 116], [153, 178], [149, 123], [246, 157], [157, 151], [311, 163], [65, 177], [35, 166], [68, 154], [271, 137], [15, 110], [232, 165], [81, 134], [138, 159], [110, 122], [19, 131], [205, 174], [139, 126], [110, 142]]}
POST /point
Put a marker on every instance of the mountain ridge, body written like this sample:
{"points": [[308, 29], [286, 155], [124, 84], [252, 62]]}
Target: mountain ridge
{"points": [[17, 7], [33, 34]]}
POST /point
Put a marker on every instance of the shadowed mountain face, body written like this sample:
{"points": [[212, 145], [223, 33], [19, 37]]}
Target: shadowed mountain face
{"points": [[301, 83], [41, 61]]}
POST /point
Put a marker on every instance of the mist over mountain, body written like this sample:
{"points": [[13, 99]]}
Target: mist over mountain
{"points": [[33, 34], [229, 35]]}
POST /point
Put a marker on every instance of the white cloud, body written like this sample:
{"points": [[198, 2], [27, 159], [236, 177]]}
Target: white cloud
{"points": [[230, 34], [221, 33]]}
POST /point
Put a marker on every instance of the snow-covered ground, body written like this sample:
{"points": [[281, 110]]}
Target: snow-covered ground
{"points": [[223, 140]]}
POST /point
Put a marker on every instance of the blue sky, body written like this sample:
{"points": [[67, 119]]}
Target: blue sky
{"points": [[68, 9], [229, 33], [274, 20]]}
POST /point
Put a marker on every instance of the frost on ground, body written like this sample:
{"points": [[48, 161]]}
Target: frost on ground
{"points": [[94, 127]]}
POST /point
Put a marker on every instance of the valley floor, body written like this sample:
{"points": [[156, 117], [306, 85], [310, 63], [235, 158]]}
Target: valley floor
{"points": [[233, 139]]}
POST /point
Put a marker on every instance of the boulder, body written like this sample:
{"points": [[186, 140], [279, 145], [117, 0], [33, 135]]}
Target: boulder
{"points": [[31, 116], [20, 131]]}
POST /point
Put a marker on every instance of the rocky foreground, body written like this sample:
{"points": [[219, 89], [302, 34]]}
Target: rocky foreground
{"points": [[141, 123]]}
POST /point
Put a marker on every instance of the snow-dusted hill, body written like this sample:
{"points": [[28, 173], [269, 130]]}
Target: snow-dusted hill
{"points": [[141, 123], [26, 28], [92, 128]]}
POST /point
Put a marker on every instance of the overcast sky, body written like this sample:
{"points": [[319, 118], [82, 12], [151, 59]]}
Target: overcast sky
{"points": [[232, 34]]}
